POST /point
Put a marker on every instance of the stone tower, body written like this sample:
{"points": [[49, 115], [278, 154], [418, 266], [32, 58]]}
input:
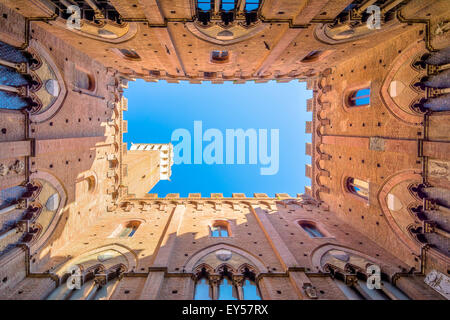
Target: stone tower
{"points": [[146, 164]]}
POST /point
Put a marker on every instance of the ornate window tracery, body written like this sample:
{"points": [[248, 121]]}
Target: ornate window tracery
{"points": [[99, 20], [93, 284], [225, 283], [353, 277], [227, 11], [26, 211]]}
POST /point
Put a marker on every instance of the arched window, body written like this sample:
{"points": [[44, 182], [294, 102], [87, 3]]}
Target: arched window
{"points": [[311, 229], [220, 229], [348, 290], [126, 230], [227, 291], [360, 97], [220, 56], [83, 80], [250, 290], [225, 282], [358, 187], [252, 5], [129, 54], [228, 5], [89, 290], [204, 5], [10, 195], [202, 290], [312, 56], [350, 275], [129, 230]]}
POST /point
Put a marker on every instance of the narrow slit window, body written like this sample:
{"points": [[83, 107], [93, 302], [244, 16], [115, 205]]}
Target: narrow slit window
{"points": [[11, 195]]}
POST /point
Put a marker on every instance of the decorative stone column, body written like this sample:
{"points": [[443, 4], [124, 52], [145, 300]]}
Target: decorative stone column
{"points": [[238, 282], [214, 281], [431, 227]]}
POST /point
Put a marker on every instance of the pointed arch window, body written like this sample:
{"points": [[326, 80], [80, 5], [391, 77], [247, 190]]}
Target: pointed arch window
{"points": [[226, 290], [359, 98], [129, 54], [126, 230], [202, 290], [311, 229], [252, 5], [228, 5], [220, 229], [204, 5], [83, 80], [11, 195], [226, 284], [360, 290], [312, 56], [250, 290], [358, 187], [89, 290], [218, 56]]}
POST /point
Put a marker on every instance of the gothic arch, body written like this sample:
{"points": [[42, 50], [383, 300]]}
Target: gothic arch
{"points": [[191, 262], [131, 29], [319, 252], [210, 35], [54, 181], [382, 194], [129, 257], [410, 118], [57, 104]]}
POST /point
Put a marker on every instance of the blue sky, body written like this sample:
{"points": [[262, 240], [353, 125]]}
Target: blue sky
{"points": [[155, 110]]}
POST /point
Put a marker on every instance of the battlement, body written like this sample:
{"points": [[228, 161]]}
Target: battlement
{"points": [[218, 196]]}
